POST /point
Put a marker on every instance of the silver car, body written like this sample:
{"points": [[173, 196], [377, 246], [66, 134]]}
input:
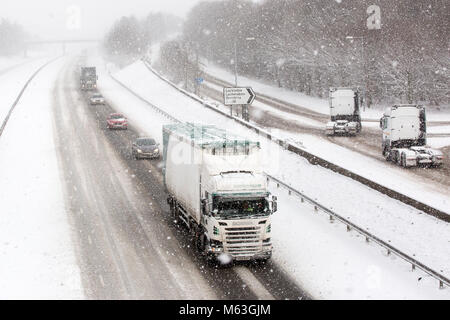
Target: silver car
{"points": [[97, 99], [145, 148]]}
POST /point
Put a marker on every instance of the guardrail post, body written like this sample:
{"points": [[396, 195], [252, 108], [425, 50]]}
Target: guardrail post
{"points": [[413, 267], [367, 239], [331, 218], [348, 228], [278, 185], [388, 252], [441, 284], [289, 192], [316, 209], [302, 200]]}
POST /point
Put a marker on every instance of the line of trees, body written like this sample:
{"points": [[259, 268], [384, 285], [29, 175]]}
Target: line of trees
{"points": [[304, 45], [12, 38], [132, 37]]}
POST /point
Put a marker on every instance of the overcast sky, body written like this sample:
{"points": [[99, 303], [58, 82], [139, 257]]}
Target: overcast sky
{"points": [[51, 19]]}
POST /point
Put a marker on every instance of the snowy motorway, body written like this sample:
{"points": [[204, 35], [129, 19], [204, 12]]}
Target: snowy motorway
{"points": [[83, 219]]}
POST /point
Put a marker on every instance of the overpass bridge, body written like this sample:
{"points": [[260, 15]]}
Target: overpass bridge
{"points": [[63, 43]]}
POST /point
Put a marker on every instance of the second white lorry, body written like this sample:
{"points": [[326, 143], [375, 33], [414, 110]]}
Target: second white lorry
{"points": [[218, 190], [405, 137]]}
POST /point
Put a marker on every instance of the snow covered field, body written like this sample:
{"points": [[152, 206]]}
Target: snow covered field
{"points": [[37, 259], [380, 214]]}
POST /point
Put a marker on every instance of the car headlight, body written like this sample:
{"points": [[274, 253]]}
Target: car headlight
{"points": [[139, 150], [156, 150]]}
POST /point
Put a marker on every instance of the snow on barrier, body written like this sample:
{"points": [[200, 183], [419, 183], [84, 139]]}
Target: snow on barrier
{"points": [[5, 121], [368, 236], [313, 159], [317, 206]]}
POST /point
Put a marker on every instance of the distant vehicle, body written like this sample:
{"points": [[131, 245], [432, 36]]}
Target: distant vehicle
{"points": [[96, 99], [344, 110], [117, 121], [145, 148], [88, 78], [217, 188], [405, 137]]}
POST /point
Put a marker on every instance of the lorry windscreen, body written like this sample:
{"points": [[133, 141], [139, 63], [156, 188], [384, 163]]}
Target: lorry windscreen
{"points": [[232, 208]]}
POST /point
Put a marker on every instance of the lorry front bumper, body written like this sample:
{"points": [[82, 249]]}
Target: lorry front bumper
{"points": [[149, 155], [264, 253], [117, 126]]}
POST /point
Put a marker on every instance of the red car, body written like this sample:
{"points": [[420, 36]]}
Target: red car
{"points": [[117, 121]]}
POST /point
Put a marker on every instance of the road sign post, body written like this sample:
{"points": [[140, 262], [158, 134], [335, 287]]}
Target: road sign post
{"points": [[242, 96]]}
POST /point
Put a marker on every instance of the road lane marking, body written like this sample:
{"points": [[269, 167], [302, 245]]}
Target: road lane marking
{"points": [[249, 279]]}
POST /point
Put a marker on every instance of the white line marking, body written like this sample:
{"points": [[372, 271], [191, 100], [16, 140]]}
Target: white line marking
{"points": [[253, 283]]}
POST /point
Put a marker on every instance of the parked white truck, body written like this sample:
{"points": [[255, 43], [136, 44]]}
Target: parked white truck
{"points": [[344, 111], [217, 188], [405, 137]]}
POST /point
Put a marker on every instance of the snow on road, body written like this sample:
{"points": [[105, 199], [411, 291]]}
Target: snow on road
{"points": [[37, 259], [393, 221], [334, 264]]}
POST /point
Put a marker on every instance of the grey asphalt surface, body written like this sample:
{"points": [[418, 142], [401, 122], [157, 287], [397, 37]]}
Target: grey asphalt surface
{"points": [[127, 246]]}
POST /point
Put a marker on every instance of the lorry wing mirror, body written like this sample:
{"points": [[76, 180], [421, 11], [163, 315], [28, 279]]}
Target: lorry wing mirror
{"points": [[274, 204]]}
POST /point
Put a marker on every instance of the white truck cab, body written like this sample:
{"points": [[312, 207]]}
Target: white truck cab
{"points": [[344, 111], [405, 137]]}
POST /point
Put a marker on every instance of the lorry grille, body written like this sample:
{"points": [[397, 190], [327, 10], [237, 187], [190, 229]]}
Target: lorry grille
{"points": [[243, 241]]}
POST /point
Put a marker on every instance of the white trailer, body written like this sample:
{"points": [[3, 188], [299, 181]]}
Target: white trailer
{"points": [[217, 188], [405, 137], [344, 111]]}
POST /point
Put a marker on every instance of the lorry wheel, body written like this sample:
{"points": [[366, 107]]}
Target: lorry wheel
{"points": [[387, 155], [200, 242]]}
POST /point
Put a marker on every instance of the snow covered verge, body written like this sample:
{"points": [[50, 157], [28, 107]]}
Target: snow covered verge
{"points": [[37, 259], [12, 82], [328, 263]]}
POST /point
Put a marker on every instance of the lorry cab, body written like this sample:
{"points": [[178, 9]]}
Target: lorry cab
{"points": [[404, 137], [218, 190], [404, 126], [344, 111]]}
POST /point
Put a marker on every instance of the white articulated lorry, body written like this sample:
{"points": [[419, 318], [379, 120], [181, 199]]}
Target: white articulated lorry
{"points": [[218, 190], [405, 137], [344, 111]]}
